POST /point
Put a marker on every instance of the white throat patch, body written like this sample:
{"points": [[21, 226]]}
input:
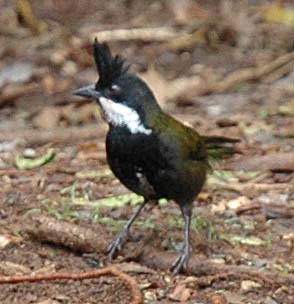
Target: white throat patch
{"points": [[120, 115]]}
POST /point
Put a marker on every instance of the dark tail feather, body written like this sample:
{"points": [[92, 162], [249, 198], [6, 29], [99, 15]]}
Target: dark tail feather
{"points": [[219, 147]]}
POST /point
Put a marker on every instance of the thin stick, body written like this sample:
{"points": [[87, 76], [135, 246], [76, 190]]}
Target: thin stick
{"points": [[132, 284], [251, 74], [33, 136], [143, 34]]}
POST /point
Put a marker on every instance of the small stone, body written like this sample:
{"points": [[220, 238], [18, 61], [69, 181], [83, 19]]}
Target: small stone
{"points": [[29, 153], [247, 286]]}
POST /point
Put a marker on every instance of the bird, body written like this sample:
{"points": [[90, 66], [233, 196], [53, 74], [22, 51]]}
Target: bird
{"points": [[149, 151]]}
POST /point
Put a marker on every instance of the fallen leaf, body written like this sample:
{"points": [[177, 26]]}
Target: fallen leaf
{"points": [[119, 201], [93, 174], [277, 13], [150, 296], [250, 240], [4, 241], [218, 299], [28, 163], [238, 202], [287, 109], [180, 294]]}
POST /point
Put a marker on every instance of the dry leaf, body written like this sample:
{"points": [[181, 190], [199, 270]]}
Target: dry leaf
{"points": [[180, 294], [278, 14]]}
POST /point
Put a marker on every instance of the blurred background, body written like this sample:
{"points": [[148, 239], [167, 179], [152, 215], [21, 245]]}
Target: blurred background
{"points": [[194, 54], [223, 67]]}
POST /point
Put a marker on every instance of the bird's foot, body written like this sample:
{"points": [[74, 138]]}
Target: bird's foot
{"points": [[181, 263], [116, 245]]}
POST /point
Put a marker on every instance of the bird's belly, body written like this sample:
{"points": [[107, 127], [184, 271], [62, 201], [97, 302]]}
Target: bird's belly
{"points": [[144, 169]]}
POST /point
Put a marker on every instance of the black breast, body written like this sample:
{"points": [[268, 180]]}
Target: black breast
{"points": [[133, 158], [137, 159]]}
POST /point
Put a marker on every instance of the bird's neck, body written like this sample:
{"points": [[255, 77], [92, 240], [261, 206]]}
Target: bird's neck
{"points": [[120, 115]]}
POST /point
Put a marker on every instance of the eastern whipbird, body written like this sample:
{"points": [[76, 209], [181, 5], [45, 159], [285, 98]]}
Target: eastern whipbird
{"points": [[150, 152]]}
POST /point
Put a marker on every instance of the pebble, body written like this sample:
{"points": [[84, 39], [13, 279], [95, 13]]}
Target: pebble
{"points": [[29, 153], [247, 286]]}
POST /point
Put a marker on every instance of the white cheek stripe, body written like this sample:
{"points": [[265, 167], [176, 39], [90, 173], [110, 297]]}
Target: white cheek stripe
{"points": [[120, 115]]}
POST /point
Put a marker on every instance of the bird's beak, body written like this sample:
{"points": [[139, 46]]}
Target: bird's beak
{"points": [[87, 92]]}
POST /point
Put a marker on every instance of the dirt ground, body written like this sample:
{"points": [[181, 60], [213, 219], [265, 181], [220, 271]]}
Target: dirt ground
{"points": [[223, 67]]}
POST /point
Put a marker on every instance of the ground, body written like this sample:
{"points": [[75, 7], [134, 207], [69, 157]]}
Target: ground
{"points": [[225, 68]]}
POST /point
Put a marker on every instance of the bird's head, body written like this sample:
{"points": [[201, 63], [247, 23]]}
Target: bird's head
{"points": [[123, 96]]}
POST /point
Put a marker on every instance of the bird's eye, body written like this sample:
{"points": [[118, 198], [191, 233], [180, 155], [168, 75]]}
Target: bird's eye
{"points": [[115, 89]]}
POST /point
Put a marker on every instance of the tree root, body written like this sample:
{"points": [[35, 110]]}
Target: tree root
{"points": [[85, 240]]}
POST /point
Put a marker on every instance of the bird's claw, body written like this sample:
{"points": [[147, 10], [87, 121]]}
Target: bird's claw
{"points": [[180, 264], [116, 245]]}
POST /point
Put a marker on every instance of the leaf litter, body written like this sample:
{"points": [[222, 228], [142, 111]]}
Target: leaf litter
{"points": [[222, 75]]}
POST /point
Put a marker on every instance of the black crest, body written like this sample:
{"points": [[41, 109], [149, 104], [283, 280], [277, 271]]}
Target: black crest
{"points": [[109, 68]]}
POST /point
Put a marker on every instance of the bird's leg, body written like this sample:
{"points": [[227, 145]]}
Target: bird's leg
{"points": [[181, 262], [116, 245]]}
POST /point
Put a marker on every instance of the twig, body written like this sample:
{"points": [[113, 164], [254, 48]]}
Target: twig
{"points": [[33, 136], [248, 207], [241, 187], [195, 85], [270, 211], [143, 34], [132, 284], [251, 74], [11, 92], [273, 162], [279, 73]]}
